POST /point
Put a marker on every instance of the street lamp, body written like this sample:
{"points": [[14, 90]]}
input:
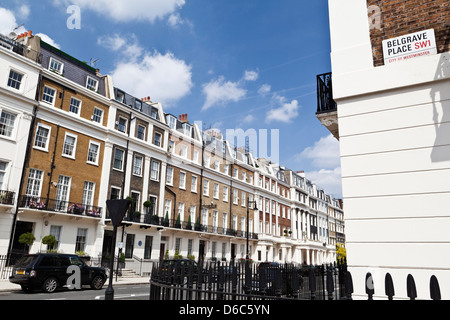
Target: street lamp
{"points": [[248, 213]]}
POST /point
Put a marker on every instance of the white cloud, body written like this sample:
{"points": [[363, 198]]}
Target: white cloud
{"points": [[23, 11], [8, 22], [330, 180], [324, 154], [163, 77], [264, 89], [219, 91], [248, 119], [287, 112], [126, 45], [49, 40], [131, 10], [251, 75]]}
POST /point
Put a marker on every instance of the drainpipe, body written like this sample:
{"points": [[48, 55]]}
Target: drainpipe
{"points": [[52, 167], [201, 181], [24, 167]]}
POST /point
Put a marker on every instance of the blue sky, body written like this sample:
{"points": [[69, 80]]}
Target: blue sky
{"points": [[248, 64]]}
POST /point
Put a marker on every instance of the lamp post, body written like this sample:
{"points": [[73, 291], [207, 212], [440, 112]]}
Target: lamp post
{"points": [[117, 210], [247, 258]]}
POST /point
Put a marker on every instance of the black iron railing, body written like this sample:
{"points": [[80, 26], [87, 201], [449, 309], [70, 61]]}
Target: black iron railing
{"points": [[325, 102], [221, 281], [59, 206], [7, 197]]}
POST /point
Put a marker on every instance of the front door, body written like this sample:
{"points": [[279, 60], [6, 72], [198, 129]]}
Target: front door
{"points": [[162, 249], [18, 248]]}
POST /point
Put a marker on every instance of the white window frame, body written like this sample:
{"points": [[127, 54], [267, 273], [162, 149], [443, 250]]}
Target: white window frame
{"points": [[3, 173], [94, 116], [74, 150], [235, 196], [37, 182], [98, 152], [206, 188], [139, 174], [225, 193], [53, 97], [169, 177], [14, 126], [157, 171], [143, 132], [88, 194], [79, 105], [183, 180], [216, 191], [160, 139], [50, 68], [183, 151], [48, 137], [114, 159], [194, 185], [22, 76], [89, 87], [117, 188], [125, 125]]}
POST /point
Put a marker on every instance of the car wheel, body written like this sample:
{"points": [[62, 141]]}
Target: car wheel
{"points": [[50, 285], [97, 282]]}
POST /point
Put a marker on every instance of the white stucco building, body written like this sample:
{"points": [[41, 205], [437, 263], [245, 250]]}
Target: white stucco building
{"points": [[395, 142]]}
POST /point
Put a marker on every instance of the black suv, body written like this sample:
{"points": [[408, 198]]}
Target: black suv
{"points": [[175, 265], [50, 271]]}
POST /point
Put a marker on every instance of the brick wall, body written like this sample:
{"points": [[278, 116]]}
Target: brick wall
{"points": [[400, 17]]}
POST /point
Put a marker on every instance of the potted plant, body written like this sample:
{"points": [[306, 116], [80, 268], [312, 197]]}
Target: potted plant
{"points": [[177, 255], [50, 241], [189, 223], [198, 225], [166, 219], [122, 261], [136, 216], [27, 239], [147, 205], [178, 222]]}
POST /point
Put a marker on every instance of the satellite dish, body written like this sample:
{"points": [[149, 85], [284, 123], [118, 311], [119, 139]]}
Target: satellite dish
{"points": [[12, 36]]}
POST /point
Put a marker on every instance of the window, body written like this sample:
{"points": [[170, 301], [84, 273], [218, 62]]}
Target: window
{"points": [[154, 113], [217, 165], [169, 176], [129, 246], [157, 141], [34, 183], [56, 232], [14, 79], [183, 151], [216, 191], [62, 193], [243, 199], [172, 122], [80, 242], [181, 211], [235, 197], [3, 166], [118, 159], [167, 206], [192, 212], [155, 171], [225, 193], [138, 105], [207, 161], [88, 193], [194, 184], [69, 147], [190, 246], [137, 165], [91, 84], [135, 205], [206, 188], [115, 193], [75, 106], [42, 137], [140, 132], [195, 157], [225, 168], [148, 247], [93, 152], [122, 124], [98, 115], [182, 180], [55, 66], [7, 121], [171, 146], [49, 95]]}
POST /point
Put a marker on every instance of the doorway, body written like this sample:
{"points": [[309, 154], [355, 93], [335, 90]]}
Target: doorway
{"points": [[19, 249]]}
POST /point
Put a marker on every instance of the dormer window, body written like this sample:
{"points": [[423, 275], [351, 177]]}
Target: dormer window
{"points": [[138, 105], [56, 66], [187, 129], [154, 113], [91, 84], [120, 96]]}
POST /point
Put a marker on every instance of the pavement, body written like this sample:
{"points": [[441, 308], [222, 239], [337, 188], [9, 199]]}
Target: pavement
{"points": [[6, 286]]}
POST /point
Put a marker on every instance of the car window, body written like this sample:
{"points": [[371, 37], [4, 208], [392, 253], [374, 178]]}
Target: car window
{"points": [[62, 262], [76, 261], [25, 261], [47, 261]]}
